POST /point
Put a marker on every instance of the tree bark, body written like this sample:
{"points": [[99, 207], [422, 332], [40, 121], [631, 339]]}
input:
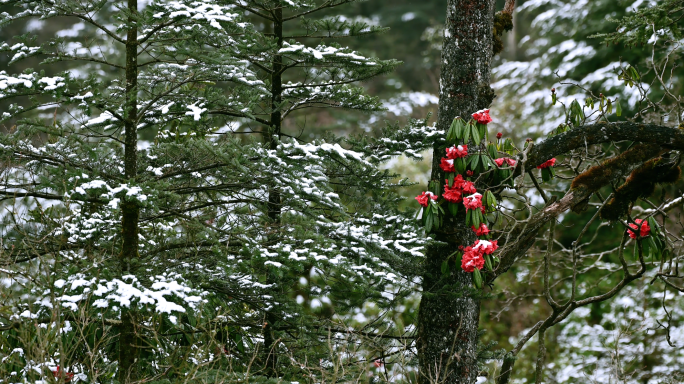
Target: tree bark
{"points": [[274, 199], [130, 211], [449, 310]]}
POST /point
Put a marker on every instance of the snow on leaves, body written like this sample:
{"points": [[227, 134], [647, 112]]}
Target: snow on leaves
{"points": [[28, 84], [198, 10], [323, 52], [162, 294]]}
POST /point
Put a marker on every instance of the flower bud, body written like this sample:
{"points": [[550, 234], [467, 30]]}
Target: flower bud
{"points": [[499, 135]]}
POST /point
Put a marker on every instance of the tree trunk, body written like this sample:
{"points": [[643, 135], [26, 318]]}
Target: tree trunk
{"points": [[449, 314], [274, 199], [130, 211]]}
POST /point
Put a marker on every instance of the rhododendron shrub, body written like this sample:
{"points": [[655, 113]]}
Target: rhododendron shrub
{"points": [[467, 157]]}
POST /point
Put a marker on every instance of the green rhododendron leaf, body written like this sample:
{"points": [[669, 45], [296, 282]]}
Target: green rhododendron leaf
{"points": [[477, 278]]}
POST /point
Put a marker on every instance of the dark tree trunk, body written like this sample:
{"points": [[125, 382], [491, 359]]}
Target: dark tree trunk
{"points": [[130, 211], [449, 314], [274, 199]]}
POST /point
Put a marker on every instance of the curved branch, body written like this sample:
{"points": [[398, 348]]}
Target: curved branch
{"points": [[609, 171], [666, 137]]}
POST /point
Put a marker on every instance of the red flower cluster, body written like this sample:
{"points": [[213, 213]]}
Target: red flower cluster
{"points": [[455, 152], [486, 247], [447, 165], [471, 260], [66, 375], [482, 231], [424, 197], [482, 116], [454, 194], [547, 163], [473, 257], [500, 161], [473, 201], [644, 228]]}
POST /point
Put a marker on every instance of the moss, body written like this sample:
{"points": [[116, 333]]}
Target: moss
{"points": [[503, 21], [596, 177], [640, 183]]}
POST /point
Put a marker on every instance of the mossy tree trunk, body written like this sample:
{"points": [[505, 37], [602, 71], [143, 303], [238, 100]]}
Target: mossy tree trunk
{"points": [[449, 313]]}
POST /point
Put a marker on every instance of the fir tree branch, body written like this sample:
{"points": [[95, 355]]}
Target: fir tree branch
{"points": [[251, 10], [47, 196], [235, 114], [327, 4], [65, 57], [195, 207], [97, 25]]}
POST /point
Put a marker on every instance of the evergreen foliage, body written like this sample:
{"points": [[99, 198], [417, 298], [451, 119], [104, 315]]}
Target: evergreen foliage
{"points": [[160, 221]]}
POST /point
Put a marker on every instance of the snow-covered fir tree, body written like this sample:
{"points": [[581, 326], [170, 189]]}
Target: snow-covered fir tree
{"points": [[159, 220]]}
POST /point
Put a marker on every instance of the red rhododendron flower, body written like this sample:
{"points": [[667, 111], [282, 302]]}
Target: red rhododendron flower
{"points": [[424, 197], [644, 228], [481, 231], [547, 163], [66, 375], [486, 247], [453, 194], [482, 116], [459, 187], [499, 135], [457, 152], [473, 201], [447, 165], [472, 259], [458, 181], [468, 187], [378, 363], [469, 173], [500, 161]]}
